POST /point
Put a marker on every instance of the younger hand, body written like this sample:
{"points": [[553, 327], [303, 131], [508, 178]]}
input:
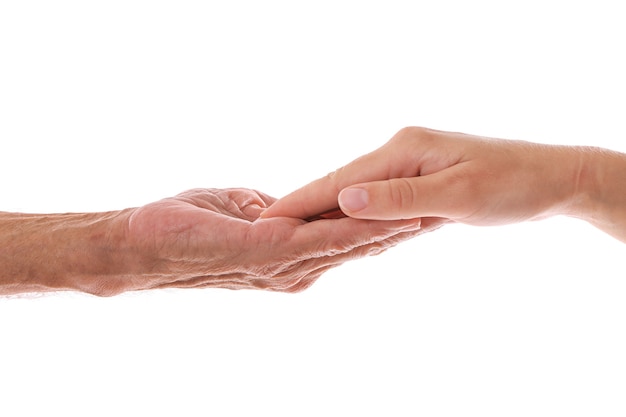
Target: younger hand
{"points": [[428, 173]]}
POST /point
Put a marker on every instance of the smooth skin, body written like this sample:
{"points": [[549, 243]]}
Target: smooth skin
{"points": [[424, 173], [200, 238]]}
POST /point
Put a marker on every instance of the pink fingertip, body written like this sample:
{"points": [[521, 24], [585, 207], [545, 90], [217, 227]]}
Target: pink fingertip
{"points": [[353, 199]]}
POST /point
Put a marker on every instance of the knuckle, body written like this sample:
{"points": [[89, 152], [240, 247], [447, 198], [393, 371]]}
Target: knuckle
{"points": [[375, 250], [411, 133], [334, 175], [334, 178], [402, 193], [301, 285], [465, 197], [274, 269], [408, 146], [285, 283], [299, 278]]}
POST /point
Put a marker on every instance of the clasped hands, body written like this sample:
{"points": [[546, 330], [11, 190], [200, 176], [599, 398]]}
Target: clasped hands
{"points": [[216, 238], [416, 182]]}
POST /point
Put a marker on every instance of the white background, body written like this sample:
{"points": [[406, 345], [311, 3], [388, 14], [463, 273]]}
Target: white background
{"points": [[106, 105]]}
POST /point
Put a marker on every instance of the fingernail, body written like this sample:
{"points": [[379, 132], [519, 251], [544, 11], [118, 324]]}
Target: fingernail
{"points": [[353, 199]]}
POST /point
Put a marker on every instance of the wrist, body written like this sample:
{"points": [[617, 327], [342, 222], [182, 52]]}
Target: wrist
{"points": [[580, 180], [99, 260], [598, 196]]}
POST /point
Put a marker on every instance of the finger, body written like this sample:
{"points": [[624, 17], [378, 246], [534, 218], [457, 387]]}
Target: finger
{"points": [[443, 194], [430, 224], [411, 152], [300, 275], [318, 266], [296, 280], [255, 209], [267, 199], [321, 195], [232, 281], [337, 236], [290, 282], [250, 203], [307, 272]]}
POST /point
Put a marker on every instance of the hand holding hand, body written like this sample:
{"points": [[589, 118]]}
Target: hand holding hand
{"points": [[200, 238], [214, 238]]}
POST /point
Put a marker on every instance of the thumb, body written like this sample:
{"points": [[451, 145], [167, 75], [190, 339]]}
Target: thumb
{"points": [[394, 199]]}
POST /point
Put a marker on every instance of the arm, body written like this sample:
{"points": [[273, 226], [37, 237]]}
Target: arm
{"points": [[58, 252], [473, 180], [200, 238]]}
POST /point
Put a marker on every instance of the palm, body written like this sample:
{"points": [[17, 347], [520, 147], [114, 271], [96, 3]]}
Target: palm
{"points": [[213, 237], [189, 223]]}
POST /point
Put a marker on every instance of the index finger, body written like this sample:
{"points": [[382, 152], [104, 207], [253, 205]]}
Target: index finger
{"points": [[320, 196]]}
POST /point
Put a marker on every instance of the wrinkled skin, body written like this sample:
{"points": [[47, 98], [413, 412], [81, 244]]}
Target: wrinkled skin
{"points": [[214, 238]]}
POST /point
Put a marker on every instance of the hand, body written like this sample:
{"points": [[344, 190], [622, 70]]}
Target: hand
{"points": [[427, 173], [214, 238]]}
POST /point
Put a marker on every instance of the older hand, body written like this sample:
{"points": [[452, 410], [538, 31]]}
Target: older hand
{"points": [[200, 238], [214, 238]]}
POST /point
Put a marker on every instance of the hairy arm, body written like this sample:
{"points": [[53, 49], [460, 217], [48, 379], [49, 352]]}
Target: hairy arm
{"points": [[55, 252]]}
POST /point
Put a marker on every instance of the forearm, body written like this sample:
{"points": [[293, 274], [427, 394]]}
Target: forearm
{"points": [[600, 193], [59, 252]]}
